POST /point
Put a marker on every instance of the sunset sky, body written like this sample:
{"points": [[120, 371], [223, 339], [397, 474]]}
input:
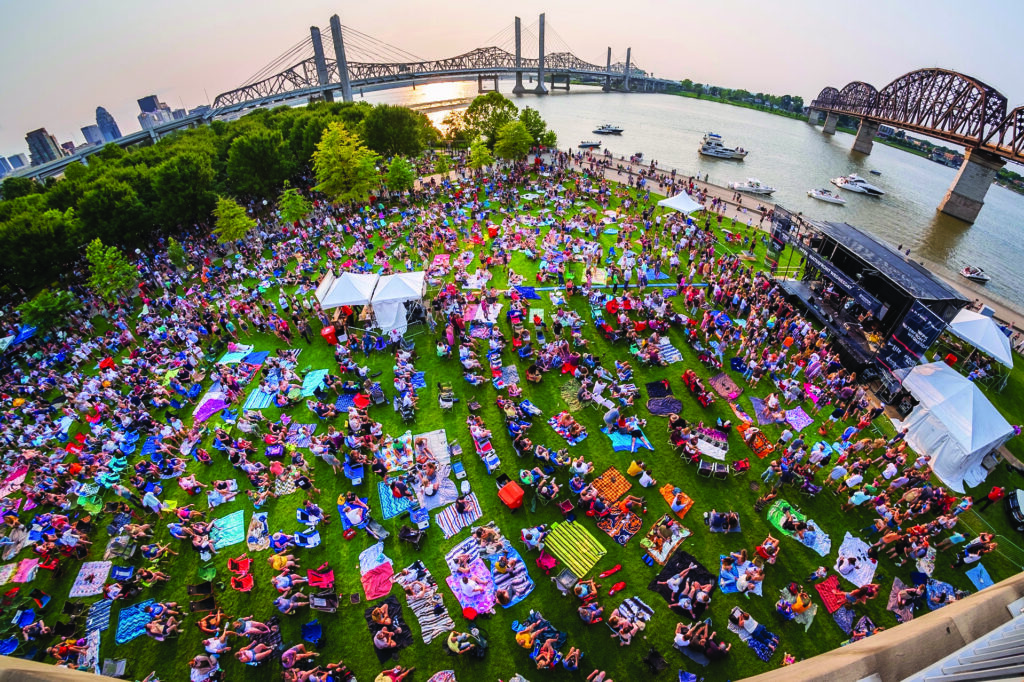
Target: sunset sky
{"points": [[62, 59]]}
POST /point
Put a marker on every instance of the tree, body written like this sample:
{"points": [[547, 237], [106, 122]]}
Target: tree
{"points": [[686, 85], [401, 175], [455, 132], [48, 308], [442, 164], [176, 252], [487, 114], [37, 244], [13, 187], [292, 205], [110, 272], [514, 141], [530, 118], [479, 155], [111, 210], [185, 185], [258, 163], [391, 130], [233, 223], [699, 89], [345, 169]]}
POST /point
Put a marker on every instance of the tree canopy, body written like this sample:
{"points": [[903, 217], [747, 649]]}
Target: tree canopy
{"points": [[479, 155], [487, 113], [391, 130], [292, 205], [110, 272], [401, 175], [232, 222], [48, 309], [514, 141], [345, 169]]}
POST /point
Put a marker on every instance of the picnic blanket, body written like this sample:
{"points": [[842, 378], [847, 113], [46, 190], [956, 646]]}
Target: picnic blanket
{"points": [[345, 401], [669, 353], [7, 572], [564, 431], [827, 590], [818, 539], [668, 491], [528, 293], [658, 389], [437, 441], [807, 616], [312, 382], [711, 446], [844, 617], [718, 525], [760, 647], [509, 375], [926, 564], [568, 393], [391, 506], [662, 407], [740, 414], [403, 638], [99, 615], [91, 658], [90, 579], [573, 545], [377, 581], [450, 521], [864, 571], [258, 537], [428, 608], [724, 386], [936, 588], [228, 530], [727, 578], [634, 610], [677, 563], [903, 613], [298, 437], [26, 572], [11, 483], [479, 576], [446, 493], [761, 411], [624, 441], [621, 527], [658, 546], [611, 485], [132, 622], [258, 400], [516, 581], [979, 577], [798, 419], [207, 408]]}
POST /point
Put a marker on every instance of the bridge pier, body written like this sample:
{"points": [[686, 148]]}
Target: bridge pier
{"points": [[321, 63], [625, 80], [480, 83], [966, 195], [608, 71], [865, 136], [831, 120], [342, 61], [813, 117], [556, 77], [540, 89], [519, 89]]}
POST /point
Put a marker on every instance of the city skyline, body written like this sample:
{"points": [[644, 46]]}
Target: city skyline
{"points": [[196, 52]]}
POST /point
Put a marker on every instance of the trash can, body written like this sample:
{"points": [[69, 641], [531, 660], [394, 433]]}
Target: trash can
{"points": [[492, 231], [329, 335]]}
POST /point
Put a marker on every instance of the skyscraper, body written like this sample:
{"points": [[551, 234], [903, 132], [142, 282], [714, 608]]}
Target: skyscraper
{"points": [[107, 125], [43, 147], [149, 104], [92, 134], [5, 167], [18, 161]]}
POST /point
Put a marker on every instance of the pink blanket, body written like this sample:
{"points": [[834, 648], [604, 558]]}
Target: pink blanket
{"points": [[26, 571], [481, 601], [377, 581]]}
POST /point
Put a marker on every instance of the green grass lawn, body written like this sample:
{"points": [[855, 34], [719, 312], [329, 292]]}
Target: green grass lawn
{"points": [[347, 636]]}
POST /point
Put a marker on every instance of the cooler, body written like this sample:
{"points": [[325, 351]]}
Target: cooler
{"points": [[329, 335], [511, 494]]}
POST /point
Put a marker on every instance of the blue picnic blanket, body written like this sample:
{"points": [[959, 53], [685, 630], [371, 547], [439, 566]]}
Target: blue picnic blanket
{"points": [[527, 292], [624, 441], [313, 381], [256, 358], [345, 401], [419, 380], [937, 587], [258, 400], [980, 577], [391, 506], [651, 276], [132, 622]]}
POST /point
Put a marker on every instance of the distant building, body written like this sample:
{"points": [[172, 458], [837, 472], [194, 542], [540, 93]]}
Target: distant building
{"points": [[93, 135], [43, 147], [68, 147], [5, 167], [201, 109], [151, 119], [107, 125], [886, 131], [149, 104], [18, 161]]}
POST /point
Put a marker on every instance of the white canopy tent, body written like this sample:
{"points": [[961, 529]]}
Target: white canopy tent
{"points": [[682, 202], [954, 423], [348, 289], [391, 295], [983, 333]]}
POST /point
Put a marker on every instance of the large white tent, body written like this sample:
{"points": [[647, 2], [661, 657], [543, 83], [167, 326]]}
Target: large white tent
{"points": [[391, 295], [954, 423], [983, 333], [682, 202], [349, 288]]}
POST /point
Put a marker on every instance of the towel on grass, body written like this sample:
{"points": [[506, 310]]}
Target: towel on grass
{"points": [[132, 622], [258, 400], [575, 546], [658, 389], [437, 441], [936, 588], [926, 564], [377, 582], [727, 579], [817, 540], [979, 577], [621, 527], [258, 537], [798, 419], [669, 353], [662, 407], [564, 431], [761, 411], [26, 572], [207, 409], [611, 485], [228, 530], [90, 579], [724, 386], [313, 381], [903, 613], [345, 401], [624, 441], [234, 357], [827, 590], [678, 563], [446, 493], [482, 595], [391, 506], [398, 624], [429, 607], [451, 521], [99, 615], [568, 392], [864, 571], [740, 414], [668, 491]]}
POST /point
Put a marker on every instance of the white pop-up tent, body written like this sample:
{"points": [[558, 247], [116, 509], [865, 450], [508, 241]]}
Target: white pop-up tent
{"points": [[349, 288], [954, 423], [391, 295], [682, 202], [983, 333]]}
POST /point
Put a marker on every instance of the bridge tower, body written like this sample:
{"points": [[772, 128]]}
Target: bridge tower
{"points": [[625, 82], [966, 195], [608, 70], [540, 89], [321, 63], [339, 56], [519, 89]]}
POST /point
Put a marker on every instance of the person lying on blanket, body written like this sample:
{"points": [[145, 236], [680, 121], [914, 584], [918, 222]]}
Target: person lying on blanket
{"points": [[546, 656], [624, 628], [861, 595], [727, 521], [354, 510], [287, 580], [911, 596], [528, 635], [758, 632], [794, 526], [287, 604], [768, 549]]}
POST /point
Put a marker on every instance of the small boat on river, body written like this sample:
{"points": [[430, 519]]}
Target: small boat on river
{"points": [[608, 129], [751, 186], [826, 195], [589, 144], [712, 145], [975, 274], [856, 183]]}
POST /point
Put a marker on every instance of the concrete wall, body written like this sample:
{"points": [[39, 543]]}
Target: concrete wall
{"points": [[906, 649]]}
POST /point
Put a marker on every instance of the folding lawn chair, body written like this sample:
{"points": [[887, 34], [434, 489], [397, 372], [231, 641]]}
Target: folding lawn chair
{"points": [[203, 605], [202, 589], [705, 469], [565, 581], [114, 668], [413, 536], [326, 601], [656, 663], [321, 578], [721, 471]]}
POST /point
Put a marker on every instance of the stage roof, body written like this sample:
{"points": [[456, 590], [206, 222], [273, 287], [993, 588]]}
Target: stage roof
{"points": [[912, 277]]}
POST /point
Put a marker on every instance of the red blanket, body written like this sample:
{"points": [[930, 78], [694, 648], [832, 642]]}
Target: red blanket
{"points": [[377, 581], [827, 589]]}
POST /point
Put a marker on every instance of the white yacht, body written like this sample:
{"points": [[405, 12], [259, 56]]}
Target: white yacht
{"points": [[856, 183], [826, 195], [751, 186], [589, 144], [975, 274], [608, 129], [712, 145]]}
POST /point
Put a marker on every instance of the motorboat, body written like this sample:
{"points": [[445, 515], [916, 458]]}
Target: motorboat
{"points": [[875, 172], [826, 195], [751, 186], [608, 129], [589, 144], [975, 274], [855, 183], [712, 145]]}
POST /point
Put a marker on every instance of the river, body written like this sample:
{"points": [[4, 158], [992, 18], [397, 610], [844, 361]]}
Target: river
{"points": [[793, 157]]}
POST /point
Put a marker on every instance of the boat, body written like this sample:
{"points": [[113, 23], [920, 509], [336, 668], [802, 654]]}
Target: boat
{"points": [[875, 172], [855, 183], [589, 144], [826, 195], [607, 129], [712, 145], [975, 274], [751, 186]]}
